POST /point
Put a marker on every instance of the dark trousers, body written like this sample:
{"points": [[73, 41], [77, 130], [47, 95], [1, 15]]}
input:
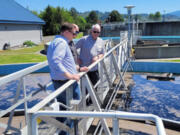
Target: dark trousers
{"points": [[62, 98], [93, 76]]}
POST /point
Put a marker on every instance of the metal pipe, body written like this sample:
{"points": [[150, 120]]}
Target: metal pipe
{"points": [[21, 73], [115, 126], [86, 114]]}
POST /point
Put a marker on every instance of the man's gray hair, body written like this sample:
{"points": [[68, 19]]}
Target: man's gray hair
{"points": [[96, 26]]}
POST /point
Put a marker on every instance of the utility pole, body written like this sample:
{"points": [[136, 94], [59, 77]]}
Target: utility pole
{"points": [[129, 10], [164, 15]]}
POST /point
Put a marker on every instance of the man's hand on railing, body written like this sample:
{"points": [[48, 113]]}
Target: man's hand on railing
{"points": [[72, 76], [95, 58], [83, 69], [76, 77]]}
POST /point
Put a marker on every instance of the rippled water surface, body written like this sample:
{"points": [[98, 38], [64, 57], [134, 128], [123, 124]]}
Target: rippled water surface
{"points": [[161, 98], [7, 91]]}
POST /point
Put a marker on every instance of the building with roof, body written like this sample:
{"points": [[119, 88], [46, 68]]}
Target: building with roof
{"points": [[18, 24]]}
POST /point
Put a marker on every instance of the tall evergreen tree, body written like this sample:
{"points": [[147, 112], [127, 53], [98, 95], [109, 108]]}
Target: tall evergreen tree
{"points": [[157, 16], [115, 16], [92, 18], [57, 19], [47, 16], [74, 12]]}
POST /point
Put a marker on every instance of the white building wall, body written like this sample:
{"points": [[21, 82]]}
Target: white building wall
{"points": [[16, 34]]}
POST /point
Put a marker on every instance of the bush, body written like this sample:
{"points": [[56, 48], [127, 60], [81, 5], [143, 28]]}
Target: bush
{"points": [[29, 43]]}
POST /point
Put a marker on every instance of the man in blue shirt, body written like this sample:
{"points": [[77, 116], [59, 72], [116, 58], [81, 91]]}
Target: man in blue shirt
{"points": [[91, 49], [61, 63]]}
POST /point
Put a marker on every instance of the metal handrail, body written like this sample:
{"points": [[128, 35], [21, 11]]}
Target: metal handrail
{"points": [[22, 73], [66, 85], [113, 115]]}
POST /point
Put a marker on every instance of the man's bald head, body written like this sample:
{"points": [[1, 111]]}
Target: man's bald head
{"points": [[76, 29]]}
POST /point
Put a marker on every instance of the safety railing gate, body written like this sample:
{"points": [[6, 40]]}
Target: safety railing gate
{"points": [[112, 66]]}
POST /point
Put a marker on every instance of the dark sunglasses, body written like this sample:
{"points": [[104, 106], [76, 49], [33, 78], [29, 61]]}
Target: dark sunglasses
{"points": [[77, 32], [74, 33], [96, 32]]}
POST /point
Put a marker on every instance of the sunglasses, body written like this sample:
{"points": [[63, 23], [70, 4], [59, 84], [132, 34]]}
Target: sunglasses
{"points": [[96, 32], [74, 33]]}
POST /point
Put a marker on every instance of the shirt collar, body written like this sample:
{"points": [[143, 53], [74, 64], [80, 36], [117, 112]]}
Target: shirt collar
{"points": [[92, 38], [60, 36]]}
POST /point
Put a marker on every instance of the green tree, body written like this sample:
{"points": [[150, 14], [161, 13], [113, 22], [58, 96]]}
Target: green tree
{"points": [[54, 17], [151, 16], [73, 12], [57, 19], [47, 16], [81, 22], [35, 13], [66, 16], [115, 16], [157, 16], [92, 18]]}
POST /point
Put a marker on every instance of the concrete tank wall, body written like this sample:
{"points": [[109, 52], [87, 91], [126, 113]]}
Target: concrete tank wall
{"points": [[156, 67], [157, 52], [147, 29], [160, 28]]}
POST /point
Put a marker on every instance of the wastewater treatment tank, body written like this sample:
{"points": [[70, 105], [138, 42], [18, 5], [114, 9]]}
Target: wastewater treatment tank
{"points": [[159, 97]]}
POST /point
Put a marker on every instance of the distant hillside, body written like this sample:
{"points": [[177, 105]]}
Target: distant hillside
{"points": [[102, 15], [175, 13]]}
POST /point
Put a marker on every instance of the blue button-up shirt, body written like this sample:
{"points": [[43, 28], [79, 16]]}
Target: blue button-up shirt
{"points": [[60, 58]]}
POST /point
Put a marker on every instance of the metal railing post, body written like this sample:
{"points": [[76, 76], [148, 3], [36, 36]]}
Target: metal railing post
{"points": [[29, 124], [96, 104], [106, 73], [25, 96], [115, 126]]}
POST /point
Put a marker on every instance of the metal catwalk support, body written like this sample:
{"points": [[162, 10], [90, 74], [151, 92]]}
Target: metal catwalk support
{"points": [[9, 127], [118, 72], [106, 73], [95, 103]]}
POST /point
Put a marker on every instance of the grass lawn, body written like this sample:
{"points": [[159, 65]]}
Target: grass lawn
{"points": [[25, 55], [22, 55], [177, 60]]}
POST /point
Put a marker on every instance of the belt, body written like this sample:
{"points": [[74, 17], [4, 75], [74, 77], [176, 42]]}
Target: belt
{"points": [[92, 71], [61, 81]]}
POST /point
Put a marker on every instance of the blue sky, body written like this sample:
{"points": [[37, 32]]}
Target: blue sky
{"points": [[142, 6]]}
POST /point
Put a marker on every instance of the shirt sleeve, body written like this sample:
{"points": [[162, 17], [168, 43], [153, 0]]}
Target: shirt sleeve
{"points": [[103, 47], [102, 51], [58, 56]]}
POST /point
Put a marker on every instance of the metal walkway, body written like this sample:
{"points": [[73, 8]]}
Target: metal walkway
{"points": [[112, 67]]}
